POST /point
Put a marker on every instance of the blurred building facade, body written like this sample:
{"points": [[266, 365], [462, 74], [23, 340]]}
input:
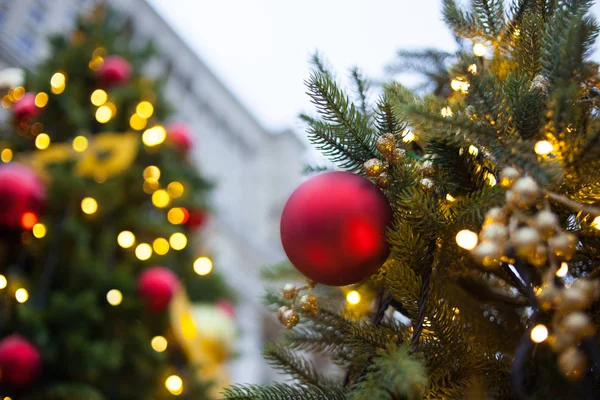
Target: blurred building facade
{"points": [[255, 170]]}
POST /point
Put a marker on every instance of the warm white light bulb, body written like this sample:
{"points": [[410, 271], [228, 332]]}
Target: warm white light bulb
{"points": [[467, 239], [539, 333]]}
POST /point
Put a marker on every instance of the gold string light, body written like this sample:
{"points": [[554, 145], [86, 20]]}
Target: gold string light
{"points": [[6, 155], [161, 198], [42, 141], [161, 246], [41, 99], [563, 270], [203, 266], [3, 282], [104, 114], [144, 109], [539, 333], [178, 241], [154, 136], [543, 148], [353, 297], [22, 295], [126, 239], [99, 97], [174, 385], [80, 144], [152, 171], [143, 251], [89, 205], [39, 230], [467, 239], [159, 344], [479, 50], [114, 297]]}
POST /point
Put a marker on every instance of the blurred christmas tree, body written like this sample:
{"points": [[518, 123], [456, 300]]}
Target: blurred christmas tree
{"points": [[99, 219], [477, 277]]}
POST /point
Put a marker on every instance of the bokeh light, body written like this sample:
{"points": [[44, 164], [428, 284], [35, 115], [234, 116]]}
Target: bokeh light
{"points": [[174, 385], [161, 246], [126, 239], [22, 295], [80, 144], [152, 171], [154, 136], [42, 141], [353, 297], [143, 251], [41, 99], [114, 297], [175, 189], [178, 241], [104, 114], [89, 205], [161, 198], [39, 230], [203, 266], [159, 344], [144, 109], [467, 239], [99, 97]]}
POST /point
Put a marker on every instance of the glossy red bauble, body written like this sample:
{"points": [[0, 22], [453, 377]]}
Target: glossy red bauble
{"points": [[157, 285], [22, 196], [25, 109], [333, 228], [196, 219], [114, 71], [180, 136], [20, 361]]}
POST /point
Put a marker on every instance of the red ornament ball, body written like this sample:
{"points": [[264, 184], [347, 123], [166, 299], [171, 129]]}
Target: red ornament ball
{"points": [[196, 219], [180, 136], [25, 109], [114, 71], [226, 307], [333, 228], [22, 196], [20, 361], [157, 285]]}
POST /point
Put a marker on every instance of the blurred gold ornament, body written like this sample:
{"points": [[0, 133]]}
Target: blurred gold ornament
{"points": [[548, 297], [525, 240], [526, 192], [508, 176], [546, 222], [290, 319], [563, 245], [374, 167], [383, 180], [488, 254], [578, 324], [386, 143], [289, 291], [495, 215], [494, 232], [282, 311], [108, 154], [308, 304], [572, 363]]}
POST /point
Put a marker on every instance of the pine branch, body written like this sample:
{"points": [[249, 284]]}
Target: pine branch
{"points": [[288, 362], [282, 391], [464, 24], [491, 16], [361, 87]]}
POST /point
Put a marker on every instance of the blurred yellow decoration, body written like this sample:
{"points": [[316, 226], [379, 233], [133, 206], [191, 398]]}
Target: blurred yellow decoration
{"points": [[3, 282], [479, 50], [39, 230], [42, 141], [22, 295], [154, 136], [99, 97], [143, 251], [104, 114], [174, 385], [178, 241], [114, 297], [108, 154], [353, 297], [160, 246], [41, 99], [151, 185], [159, 344], [205, 333], [144, 109], [80, 144], [58, 79], [152, 171], [137, 122], [6, 155], [543, 148], [175, 189], [161, 198], [203, 266], [176, 216], [126, 239], [89, 205]]}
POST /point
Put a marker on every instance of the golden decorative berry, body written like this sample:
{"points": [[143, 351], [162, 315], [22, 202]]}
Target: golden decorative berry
{"points": [[526, 192], [488, 254], [494, 232], [572, 363], [508, 176], [396, 156], [546, 222], [290, 319], [289, 291], [282, 311], [383, 180], [308, 305], [578, 324], [374, 167], [563, 245], [495, 215], [525, 240], [386, 144]]}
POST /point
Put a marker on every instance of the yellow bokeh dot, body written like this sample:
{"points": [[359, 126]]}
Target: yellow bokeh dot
{"points": [[89, 205], [42, 141], [175, 189], [467, 239], [39, 230], [58, 79], [152, 172], [57, 89], [137, 122], [99, 97], [151, 185], [479, 50], [96, 63], [176, 216], [6, 155], [161, 198], [563, 270], [144, 109], [3, 282], [143, 251], [160, 246], [539, 333], [80, 144], [203, 266], [114, 297], [126, 239], [159, 344], [41, 99], [104, 114], [178, 241], [174, 385], [408, 137], [154, 136], [543, 148], [22, 295], [353, 297]]}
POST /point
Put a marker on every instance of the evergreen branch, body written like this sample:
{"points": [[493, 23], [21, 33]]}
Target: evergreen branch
{"points": [[462, 23], [491, 16], [361, 86], [394, 372], [286, 361], [281, 271], [282, 391]]}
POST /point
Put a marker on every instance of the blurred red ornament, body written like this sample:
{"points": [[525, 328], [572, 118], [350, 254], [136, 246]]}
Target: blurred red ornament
{"points": [[226, 307], [20, 361], [114, 71], [196, 219], [22, 196], [25, 109], [157, 285], [180, 136], [333, 228]]}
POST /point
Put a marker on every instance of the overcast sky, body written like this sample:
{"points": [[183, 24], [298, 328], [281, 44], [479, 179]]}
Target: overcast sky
{"points": [[261, 48]]}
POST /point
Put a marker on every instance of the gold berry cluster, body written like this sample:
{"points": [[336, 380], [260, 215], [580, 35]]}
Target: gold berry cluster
{"points": [[378, 169], [306, 303], [513, 230]]}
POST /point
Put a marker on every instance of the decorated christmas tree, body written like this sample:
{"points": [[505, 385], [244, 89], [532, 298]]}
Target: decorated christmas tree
{"points": [[101, 210], [462, 224]]}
